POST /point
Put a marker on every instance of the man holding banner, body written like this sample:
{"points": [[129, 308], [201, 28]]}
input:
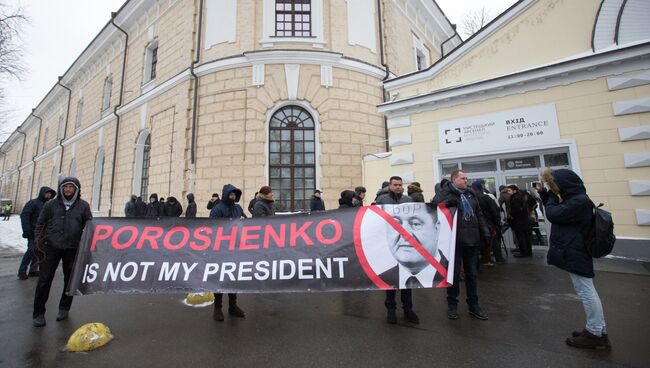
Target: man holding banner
{"points": [[471, 226], [228, 208], [58, 231], [395, 195]]}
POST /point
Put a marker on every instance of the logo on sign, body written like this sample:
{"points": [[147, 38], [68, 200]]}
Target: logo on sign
{"points": [[453, 134]]}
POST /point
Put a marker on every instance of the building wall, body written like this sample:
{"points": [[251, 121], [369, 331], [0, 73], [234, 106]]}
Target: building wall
{"points": [[584, 112], [232, 136]]}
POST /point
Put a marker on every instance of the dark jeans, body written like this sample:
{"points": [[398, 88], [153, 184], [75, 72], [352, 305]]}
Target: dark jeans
{"points": [[524, 242], [48, 269], [404, 294], [496, 248], [29, 259], [218, 299], [469, 256]]}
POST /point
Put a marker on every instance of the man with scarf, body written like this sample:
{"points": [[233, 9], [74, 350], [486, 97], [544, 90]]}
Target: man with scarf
{"points": [[471, 226], [58, 232]]}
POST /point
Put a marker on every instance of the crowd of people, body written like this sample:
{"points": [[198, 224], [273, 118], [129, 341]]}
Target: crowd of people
{"points": [[53, 229]]}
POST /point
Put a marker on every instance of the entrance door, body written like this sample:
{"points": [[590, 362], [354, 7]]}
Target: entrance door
{"points": [[523, 180]]}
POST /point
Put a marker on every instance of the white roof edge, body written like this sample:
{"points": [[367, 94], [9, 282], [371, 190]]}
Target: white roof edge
{"points": [[458, 53], [540, 72]]}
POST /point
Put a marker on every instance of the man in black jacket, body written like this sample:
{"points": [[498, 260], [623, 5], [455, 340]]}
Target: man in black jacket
{"points": [[191, 206], [173, 208], [470, 228], [264, 203], [28, 219], [520, 205], [129, 207], [58, 232], [316, 203], [395, 195], [154, 208], [492, 215]]}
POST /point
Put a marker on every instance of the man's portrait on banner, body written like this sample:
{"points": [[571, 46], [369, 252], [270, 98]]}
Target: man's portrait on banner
{"points": [[391, 245]]}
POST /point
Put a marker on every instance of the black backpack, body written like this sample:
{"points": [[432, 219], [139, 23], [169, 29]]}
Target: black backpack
{"points": [[600, 239]]}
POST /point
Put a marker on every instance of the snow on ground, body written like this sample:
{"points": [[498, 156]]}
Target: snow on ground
{"points": [[11, 239]]}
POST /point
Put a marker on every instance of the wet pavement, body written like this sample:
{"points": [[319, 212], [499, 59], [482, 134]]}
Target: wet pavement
{"points": [[532, 309]]}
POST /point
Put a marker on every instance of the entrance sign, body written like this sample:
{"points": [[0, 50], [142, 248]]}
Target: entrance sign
{"points": [[531, 126], [363, 248]]}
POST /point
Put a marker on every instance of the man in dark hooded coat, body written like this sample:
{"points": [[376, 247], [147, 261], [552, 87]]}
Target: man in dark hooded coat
{"points": [[154, 207], [346, 200], [229, 209], [140, 207], [191, 206], [28, 219], [129, 207], [58, 232], [173, 208], [570, 211]]}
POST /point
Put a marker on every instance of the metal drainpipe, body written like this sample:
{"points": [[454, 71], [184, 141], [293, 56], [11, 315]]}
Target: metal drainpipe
{"points": [[195, 102], [4, 162], [65, 129], [383, 63], [442, 50], [22, 156], [38, 142], [117, 122]]}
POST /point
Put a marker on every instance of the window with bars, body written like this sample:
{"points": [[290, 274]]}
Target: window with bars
{"points": [[293, 18], [292, 158], [154, 63], [146, 161], [150, 62]]}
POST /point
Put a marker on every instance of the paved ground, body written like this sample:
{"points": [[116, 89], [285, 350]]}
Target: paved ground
{"points": [[532, 310]]}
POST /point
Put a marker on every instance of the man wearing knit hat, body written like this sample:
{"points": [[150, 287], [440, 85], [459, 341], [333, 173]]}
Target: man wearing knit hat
{"points": [[264, 204], [58, 232]]}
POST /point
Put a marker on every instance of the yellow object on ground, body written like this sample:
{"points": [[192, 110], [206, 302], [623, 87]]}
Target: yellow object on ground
{"points": [[89, 337], [199, 298]]}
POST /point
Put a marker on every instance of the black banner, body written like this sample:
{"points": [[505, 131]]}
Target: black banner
{"points": [[364, 248]]}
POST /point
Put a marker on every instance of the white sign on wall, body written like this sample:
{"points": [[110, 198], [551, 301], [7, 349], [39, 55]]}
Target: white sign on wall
{"points": [[530, 126]]}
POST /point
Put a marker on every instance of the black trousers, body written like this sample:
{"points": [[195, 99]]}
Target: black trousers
{"points": [[405, 296], [524, 241], [469, 256], [49, 263]]}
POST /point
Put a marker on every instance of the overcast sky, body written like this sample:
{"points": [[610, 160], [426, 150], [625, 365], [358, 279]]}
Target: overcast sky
{"points": [[59, 30]]}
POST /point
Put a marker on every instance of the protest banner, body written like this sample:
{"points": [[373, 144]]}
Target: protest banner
{"points": [[363, 248]]}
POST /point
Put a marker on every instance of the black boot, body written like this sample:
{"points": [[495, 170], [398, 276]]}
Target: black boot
{"points": [[217, 314], [233, 309], [39, 321], [391, 317], [411, 317]]}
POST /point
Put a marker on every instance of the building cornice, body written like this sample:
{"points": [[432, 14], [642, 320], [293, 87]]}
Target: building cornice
{"points": [[294, 57], [571, 71]]}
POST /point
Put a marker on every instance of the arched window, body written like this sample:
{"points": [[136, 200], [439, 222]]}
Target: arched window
{"points": [[292, 157], [142, 164], [97, 180]]}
